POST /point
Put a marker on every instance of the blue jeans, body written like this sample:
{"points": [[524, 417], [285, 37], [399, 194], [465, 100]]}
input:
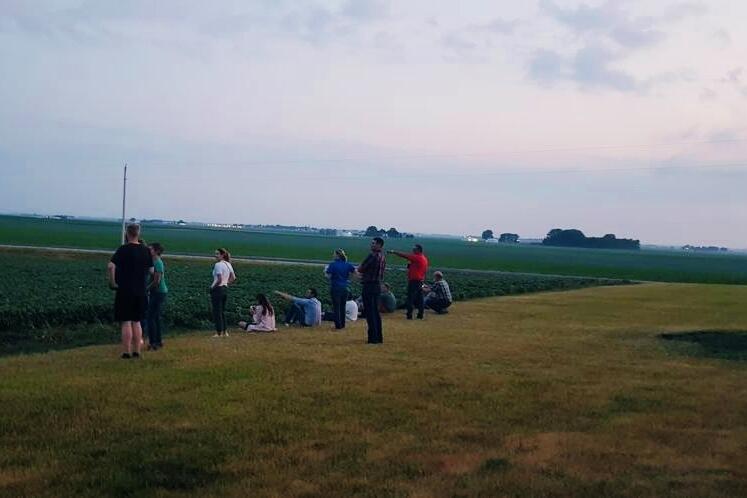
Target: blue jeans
{"points": [[294, 314], [156, 302], [339, 297]]}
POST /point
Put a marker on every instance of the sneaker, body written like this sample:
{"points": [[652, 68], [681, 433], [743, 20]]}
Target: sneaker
{"points": [[225, 334], [216, 335], [135, 356], [125, 356]]}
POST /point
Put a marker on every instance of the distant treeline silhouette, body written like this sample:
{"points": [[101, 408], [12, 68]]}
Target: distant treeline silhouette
{"points": [[576, 238]]}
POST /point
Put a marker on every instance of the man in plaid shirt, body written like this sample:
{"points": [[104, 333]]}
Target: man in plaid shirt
{"points": [[372, 275], [439, 294]]}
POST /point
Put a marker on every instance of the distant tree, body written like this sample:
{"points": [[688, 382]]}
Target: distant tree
{"points": [[576, 238], [132, 220], [511, 238], [566, 238], [409, 236], [393, 233], [487, 234], [372, 231]]}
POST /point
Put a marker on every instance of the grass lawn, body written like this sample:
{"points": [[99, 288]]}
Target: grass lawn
{"points": [[553, 394]]}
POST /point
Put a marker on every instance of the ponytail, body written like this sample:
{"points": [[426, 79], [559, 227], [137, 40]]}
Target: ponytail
{"points": [[224, 254]]}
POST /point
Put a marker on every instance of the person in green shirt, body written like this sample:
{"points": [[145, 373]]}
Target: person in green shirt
{"points": [[387, 301], [157, 291]]}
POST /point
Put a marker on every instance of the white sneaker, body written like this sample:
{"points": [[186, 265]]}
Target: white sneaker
{"points": [[225, 334], [216, 335]]}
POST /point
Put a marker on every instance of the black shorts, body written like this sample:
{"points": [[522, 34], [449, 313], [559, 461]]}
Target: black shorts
{"points": [[129, 307]]}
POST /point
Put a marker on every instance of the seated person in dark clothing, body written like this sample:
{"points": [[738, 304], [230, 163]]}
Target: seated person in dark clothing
{"points": [[387, 301], [439, 295]]}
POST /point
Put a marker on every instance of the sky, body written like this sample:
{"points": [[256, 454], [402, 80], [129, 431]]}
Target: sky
{"points": [[612, 116]]}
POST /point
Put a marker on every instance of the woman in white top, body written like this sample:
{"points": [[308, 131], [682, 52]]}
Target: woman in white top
{"points": [[263, 316], [223, 275]]}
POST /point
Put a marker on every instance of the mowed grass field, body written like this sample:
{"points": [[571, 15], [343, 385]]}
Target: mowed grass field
{"points": [[552, 394], [666, 266]]}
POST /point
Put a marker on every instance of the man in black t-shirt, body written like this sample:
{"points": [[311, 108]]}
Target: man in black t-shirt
{"points": [[128, 271]]}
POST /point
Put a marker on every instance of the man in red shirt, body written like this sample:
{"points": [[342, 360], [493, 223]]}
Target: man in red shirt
{"points": [[416, 270]]}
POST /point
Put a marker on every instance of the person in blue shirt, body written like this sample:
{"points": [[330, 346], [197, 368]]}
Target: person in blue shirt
{"points": [[338, 272], [306, 311]]}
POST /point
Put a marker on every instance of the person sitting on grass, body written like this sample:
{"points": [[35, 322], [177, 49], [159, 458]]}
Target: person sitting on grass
{"points": [[439, 295], [263, 316], [306, 311], [387, 301]]}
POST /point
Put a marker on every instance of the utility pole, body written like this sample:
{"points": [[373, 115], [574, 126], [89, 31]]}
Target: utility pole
{"points": [[124, 199]]}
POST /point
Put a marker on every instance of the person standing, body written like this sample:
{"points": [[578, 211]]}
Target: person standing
{"points": [[127, 271], [372, 274], [157, 291], [338, 272], [416, 270], [223, 276]]}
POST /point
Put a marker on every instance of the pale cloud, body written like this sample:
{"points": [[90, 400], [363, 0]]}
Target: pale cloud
{"points": [[326, 95], [473, 42], [608, 36]]}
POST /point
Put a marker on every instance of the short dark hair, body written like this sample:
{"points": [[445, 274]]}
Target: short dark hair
{"points": [[157, 248], [418, 248], [133, 230], [312, 291], [379, 241]]}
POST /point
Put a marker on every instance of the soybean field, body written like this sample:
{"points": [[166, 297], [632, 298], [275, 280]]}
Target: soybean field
{"points": [[653, 265], [42, 289]]}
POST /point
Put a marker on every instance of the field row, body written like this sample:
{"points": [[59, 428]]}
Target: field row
{"points": [[41, 289], [655, 265]]}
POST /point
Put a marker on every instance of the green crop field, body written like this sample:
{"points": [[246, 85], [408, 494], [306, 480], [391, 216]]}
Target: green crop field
{"points": [[42, 290], [668, 266], [560, 394]]}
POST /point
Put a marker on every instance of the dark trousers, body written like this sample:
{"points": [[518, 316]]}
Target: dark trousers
{"points": [[218, 298], [371, 293], [415, 297], [339, 298], [156, 302], [436, 304], [294, 314]]}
